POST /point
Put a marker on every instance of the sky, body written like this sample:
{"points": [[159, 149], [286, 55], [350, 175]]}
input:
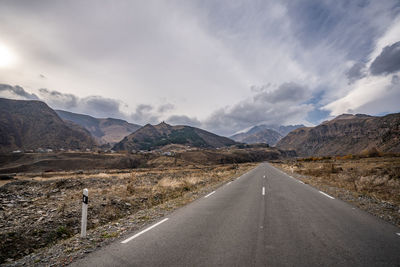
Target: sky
{"points": [[220, 65]]}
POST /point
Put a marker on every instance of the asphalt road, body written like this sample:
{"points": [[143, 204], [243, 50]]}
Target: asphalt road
{"points": [[241, 224]]}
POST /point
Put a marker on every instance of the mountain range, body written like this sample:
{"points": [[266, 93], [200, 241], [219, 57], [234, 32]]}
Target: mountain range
{"points": [[155, 136], [269, 134], [346, 134], [29, 125], [105, 131]]}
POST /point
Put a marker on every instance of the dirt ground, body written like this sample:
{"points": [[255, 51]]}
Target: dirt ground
{"points": [[42, 163], [38, 211], [371, 183]]}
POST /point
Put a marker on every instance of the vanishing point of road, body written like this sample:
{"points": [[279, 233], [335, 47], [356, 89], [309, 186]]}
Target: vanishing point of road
{"points": [[263, 218]]}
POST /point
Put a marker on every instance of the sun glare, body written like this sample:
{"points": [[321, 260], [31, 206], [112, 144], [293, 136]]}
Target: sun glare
{"points": [[6, 56]]}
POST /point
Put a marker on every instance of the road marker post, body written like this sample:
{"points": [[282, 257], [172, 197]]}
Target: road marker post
{"points": [[85, 201]]}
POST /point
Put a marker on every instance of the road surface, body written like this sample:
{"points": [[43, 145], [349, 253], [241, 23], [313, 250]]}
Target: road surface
{"points": [[263, 218]]}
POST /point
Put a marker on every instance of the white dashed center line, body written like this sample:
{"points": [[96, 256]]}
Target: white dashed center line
{"points": [[263, 191]]}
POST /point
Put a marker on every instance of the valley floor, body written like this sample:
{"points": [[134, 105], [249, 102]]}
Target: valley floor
{"points": [[40, 212], [40, 216]]}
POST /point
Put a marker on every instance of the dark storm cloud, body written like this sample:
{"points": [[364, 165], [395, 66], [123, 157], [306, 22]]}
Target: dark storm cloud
{"points": [[388, 61], [351, 26], [96, 106], [287, 92], [278, 107], [165, 107], [259, 89], [183, 120], [104, 107], [356, 72], [395, 79], [144, 114], [18, 92], [58, 100], [228, 121]]}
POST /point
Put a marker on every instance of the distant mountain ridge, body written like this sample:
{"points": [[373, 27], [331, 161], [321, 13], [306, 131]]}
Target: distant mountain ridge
{"points": [[346, 134], [105, 131], [155, 136], [269, 134], [29, 125], [284, 130]]}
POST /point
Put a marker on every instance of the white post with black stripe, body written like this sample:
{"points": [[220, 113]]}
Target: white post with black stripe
{"points": [[85, 201]]}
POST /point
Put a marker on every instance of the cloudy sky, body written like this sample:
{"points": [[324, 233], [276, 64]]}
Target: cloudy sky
{"points": [[219, 65]]}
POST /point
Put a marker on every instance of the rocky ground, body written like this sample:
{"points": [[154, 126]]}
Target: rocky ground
{"points": [[372, 184], [40, 217]]}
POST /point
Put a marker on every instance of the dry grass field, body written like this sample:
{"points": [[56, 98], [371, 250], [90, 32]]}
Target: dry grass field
{"points": [[38, 210], [43, 163]]}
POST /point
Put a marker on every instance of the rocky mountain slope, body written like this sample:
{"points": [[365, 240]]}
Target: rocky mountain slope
{"points": [[257, 135], [269, 134], [154, 136], [285, 129], [346, 134], [105, 131], [29, 125]]}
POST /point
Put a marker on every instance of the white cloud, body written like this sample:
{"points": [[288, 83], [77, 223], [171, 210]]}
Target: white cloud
{"points": [[365, 91], [372, 94], [391, 36], [195, 61]]}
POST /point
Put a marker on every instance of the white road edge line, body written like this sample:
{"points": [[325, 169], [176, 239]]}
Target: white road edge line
{"points": [[263, 191], [300, 181], [229, 183], [398, 234], [209, 194], [326, 195], [144, 231]]}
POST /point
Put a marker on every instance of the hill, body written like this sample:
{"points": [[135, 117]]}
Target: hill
{"points": [[29, 125], [346, 134], [155, 136], [269, 134], [105, 131]]}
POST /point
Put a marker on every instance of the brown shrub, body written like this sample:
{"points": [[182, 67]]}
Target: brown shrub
{"points": [[371, 152]]}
